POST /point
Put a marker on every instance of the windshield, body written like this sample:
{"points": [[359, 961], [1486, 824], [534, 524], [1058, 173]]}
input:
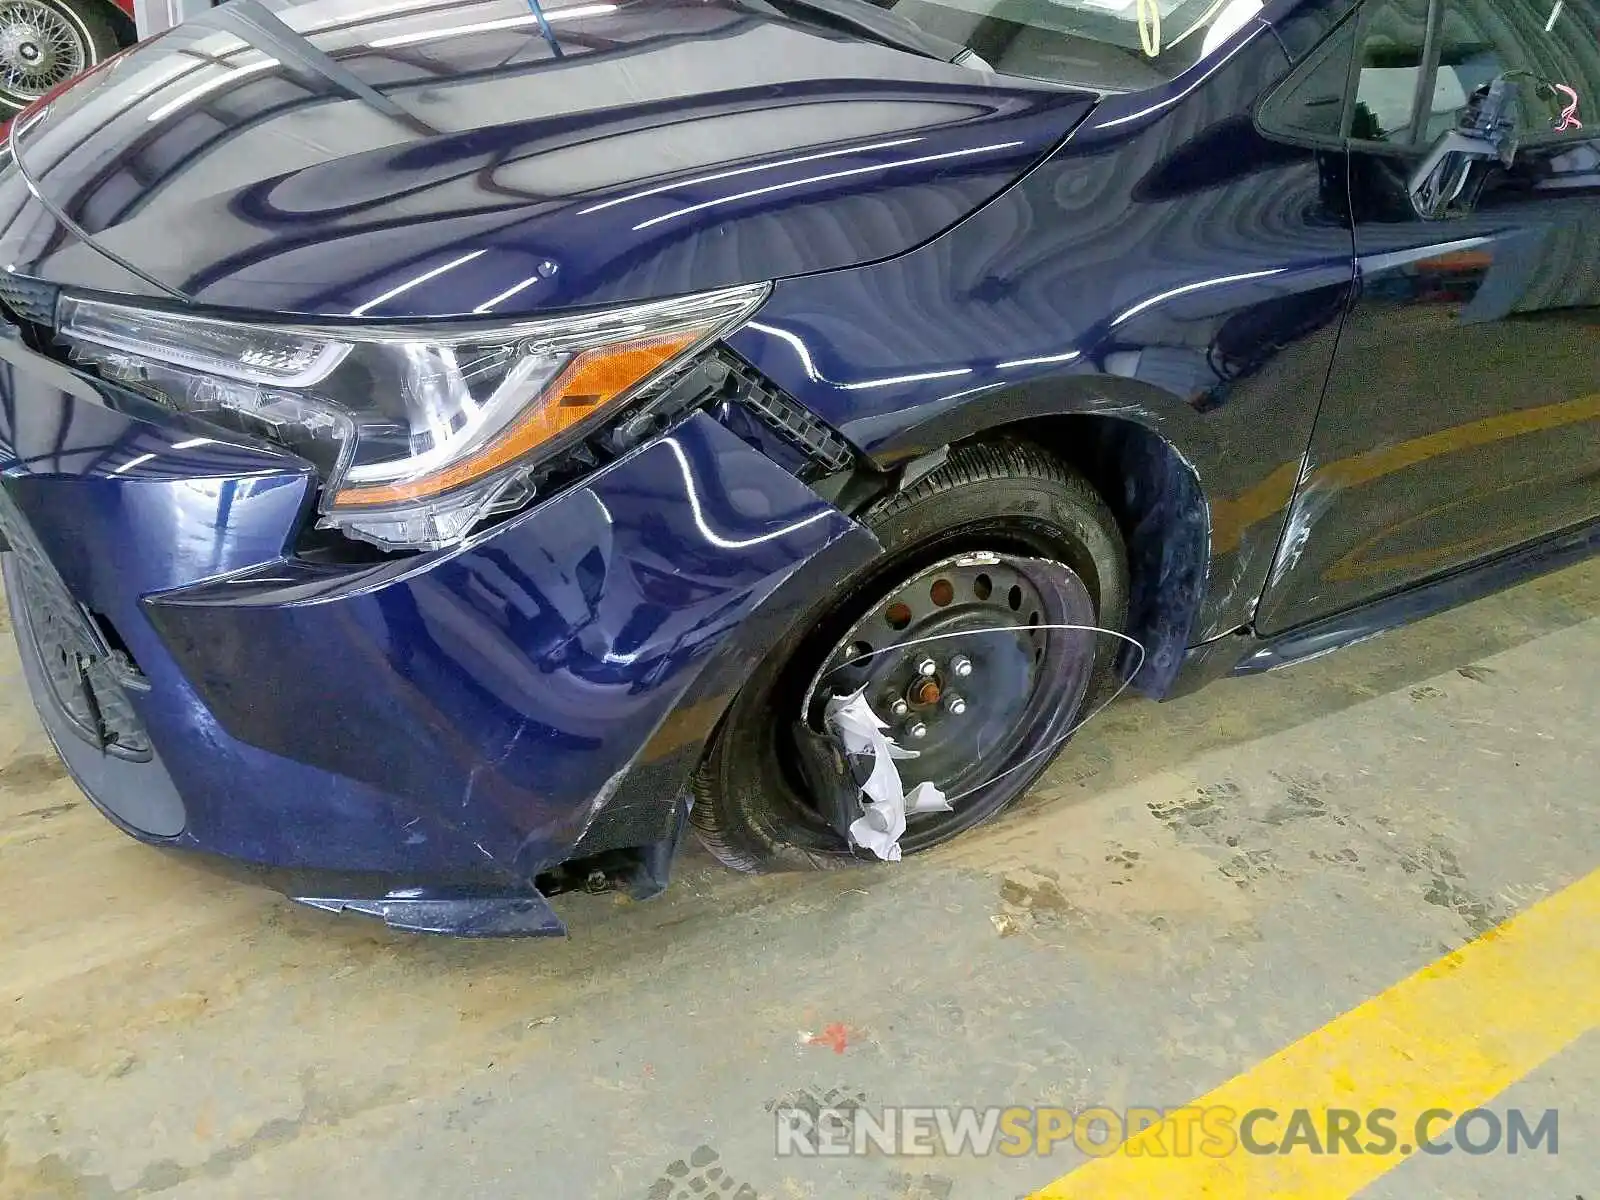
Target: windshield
{"points": [[1109, 45]]}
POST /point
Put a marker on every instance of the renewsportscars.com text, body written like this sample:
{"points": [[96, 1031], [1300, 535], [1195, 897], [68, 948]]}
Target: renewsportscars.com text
{"points": [[1215, 1131]]}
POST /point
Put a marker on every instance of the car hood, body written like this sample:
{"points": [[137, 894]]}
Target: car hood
{"points": [[410, 160]]}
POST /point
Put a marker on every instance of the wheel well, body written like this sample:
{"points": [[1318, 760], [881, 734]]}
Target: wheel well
{"points": [[121, 23], [1165, 523]]}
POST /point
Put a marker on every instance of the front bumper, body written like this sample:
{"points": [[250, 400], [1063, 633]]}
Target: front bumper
{"points": [[444, 726]]}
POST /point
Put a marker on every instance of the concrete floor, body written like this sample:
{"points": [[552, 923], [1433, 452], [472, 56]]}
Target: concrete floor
{"points": [[1192, 887]]}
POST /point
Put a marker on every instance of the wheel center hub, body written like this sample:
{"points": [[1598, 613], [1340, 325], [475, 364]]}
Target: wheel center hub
{"points": [[20, 44], [976, 663], [963, 630]]}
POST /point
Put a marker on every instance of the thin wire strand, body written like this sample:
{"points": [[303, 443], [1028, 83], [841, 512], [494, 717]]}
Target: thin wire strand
{"points": [[1013, 629]]}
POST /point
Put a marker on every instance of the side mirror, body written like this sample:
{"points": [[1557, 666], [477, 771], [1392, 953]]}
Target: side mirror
{"points": [[1486, 132]]}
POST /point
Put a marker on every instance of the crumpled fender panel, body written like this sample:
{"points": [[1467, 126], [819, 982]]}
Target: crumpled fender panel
{"points": [[506, 689], [434, 718]]}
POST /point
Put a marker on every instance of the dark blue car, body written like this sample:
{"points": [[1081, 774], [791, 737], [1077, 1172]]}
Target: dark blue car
{"points": [[450, 449]]}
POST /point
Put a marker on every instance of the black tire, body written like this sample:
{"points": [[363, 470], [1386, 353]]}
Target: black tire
{"points": [[749, 808], [68, 37]]}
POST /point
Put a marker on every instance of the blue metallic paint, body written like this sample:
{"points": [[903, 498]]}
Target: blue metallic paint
{"points": [[954, 255], [511, 675], [523, 670], [1168, 266], [752, 148], [1471, 582], [1249, 653], [1463, 416]]}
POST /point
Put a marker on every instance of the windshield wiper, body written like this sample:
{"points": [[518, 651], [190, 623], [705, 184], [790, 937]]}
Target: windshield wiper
{"points": [[867, 19]]}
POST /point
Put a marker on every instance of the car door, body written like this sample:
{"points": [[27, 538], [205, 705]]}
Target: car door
{"points": [[1462, 413]]}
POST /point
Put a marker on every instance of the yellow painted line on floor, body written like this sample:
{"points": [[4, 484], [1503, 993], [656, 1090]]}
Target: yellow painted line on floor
{"points": [[1452, 1036]]}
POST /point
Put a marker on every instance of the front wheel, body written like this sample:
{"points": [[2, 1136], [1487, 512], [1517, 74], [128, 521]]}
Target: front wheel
{"points": [[44, 43], [950, 633]]}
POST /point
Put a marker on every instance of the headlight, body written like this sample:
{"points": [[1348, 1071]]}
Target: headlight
{"points": [[416, 432]]}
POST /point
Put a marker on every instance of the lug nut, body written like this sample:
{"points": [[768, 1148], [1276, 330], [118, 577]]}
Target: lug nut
{"points": [[917, 729], [961, 665], [899, 707], [955, 704], [927, 667]]}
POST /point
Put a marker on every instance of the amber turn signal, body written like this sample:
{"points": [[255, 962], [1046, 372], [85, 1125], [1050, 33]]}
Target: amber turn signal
{"points": [[591, 381]]}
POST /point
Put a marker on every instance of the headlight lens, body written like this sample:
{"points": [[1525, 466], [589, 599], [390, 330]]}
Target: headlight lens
{"points": [[416, 432]]}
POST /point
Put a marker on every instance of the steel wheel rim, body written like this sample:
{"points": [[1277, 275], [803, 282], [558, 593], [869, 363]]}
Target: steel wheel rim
{"points": [[1018, 689], [41, 46]]}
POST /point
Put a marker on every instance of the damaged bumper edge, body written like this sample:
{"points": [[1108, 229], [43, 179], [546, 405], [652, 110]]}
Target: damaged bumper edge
{"points": [[443, 723], [526, 915]]}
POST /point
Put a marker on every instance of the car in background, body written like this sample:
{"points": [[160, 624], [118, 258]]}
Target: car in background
{"points": [[44, 43], [449, 449]]}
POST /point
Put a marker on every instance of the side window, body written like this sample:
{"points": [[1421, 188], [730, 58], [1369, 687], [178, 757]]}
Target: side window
{"points": [[1310, 104], [1407, 97], [1394, 38], [1471, 57], [1418, 64]]}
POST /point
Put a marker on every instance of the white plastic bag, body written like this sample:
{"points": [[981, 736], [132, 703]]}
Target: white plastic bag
{"points": [[886, 804]]}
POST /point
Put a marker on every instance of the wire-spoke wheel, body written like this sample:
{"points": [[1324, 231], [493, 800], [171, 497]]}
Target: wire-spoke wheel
{"points": [[955, 634], [44, 43]]}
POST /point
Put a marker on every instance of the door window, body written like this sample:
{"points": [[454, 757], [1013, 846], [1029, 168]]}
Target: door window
{"points": [[1408, 87], [1394, 37], [1310, 105], [1408, 97]]}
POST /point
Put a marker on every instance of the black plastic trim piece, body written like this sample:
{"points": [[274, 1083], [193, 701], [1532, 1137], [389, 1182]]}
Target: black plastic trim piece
{"points": [[30, 299], [86, 678], [137, 796], [788, 418]]}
